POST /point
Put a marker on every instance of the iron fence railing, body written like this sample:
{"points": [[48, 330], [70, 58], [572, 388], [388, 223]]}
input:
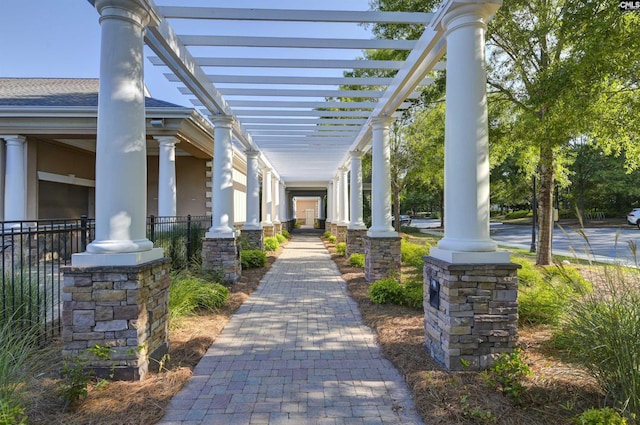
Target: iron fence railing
{"points": [[32, 252]]}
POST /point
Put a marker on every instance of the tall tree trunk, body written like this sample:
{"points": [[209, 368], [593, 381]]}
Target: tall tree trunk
{"points": [[545, 199]]}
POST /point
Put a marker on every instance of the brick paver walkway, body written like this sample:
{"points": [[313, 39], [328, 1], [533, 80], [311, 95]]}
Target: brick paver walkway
{"points": [[296, 352]]}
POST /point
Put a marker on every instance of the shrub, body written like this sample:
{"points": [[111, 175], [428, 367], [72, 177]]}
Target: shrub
{"points": [[606, 416], [409, 229], [253, 258], [271, 243], [414, 293], [280, 238], [356, 260], [341, 248], [326, 234], [601, 331], [286, 234], [189, 294], [386, 291], [507, 374], [518, 214], [332, 239], [412, 254]]}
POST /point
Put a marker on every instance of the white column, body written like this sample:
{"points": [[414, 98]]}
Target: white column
{"points": [[295, 207], [167, 203], [276, 201], [357, 218], [283, 202], [344, 196], [335, 211], [253, 192], [330, 202], [380, 183], [321, 207], [15, 195], [121, 154], [466, 174], [222, 179], [267, 202]]}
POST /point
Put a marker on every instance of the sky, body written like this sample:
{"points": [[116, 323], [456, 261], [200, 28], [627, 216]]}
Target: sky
{"points": [[61, 38]]}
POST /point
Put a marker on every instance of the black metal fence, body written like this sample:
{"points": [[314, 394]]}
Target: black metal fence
{"points": [[32, 253]]}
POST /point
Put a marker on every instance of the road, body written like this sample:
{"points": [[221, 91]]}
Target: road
{"points": [[607, 244]]}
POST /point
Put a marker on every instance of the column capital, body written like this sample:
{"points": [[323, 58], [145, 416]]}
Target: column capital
{"points": [[139, 12], [167, 140], [13, 139], [250, 153], [381, 122], [226, 121], [462, 14], [344, 169], [356, 154]]}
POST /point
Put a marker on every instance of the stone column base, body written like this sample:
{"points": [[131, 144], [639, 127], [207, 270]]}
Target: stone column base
{"points": [[334, 229], [125, 308], [277, 228], [382, 258], [471, 312], [222, 255], [355, 241], [253, 238], [268, 230], [341, 234]]}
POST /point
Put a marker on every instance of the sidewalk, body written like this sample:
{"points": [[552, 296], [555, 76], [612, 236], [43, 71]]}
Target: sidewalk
{"points": [[296, 352]]}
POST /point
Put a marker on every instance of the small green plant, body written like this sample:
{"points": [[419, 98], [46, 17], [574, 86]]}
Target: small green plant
{"points": [[281, 239], [606, 416], [507, 373], [332, 239], [341, 248], [271, 243], [189, 294], [75, 377], [102, 352], [386, 291], [12, 414], [286, 234], [254, 258], [356, 260], [475, 414], [412, 254], [414, 293], [326, 234]]}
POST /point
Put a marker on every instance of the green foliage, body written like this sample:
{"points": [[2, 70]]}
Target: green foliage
{"points": [[286, 234], [518, 214], [507, 374], [409, 229], [414, 293], [174, 244], [386, 291], [356, 260], [102, 352], [253, 258], [281, 239], [606, 416], [75, 377], [412, 254], [341, 248], [600, 332], [332, 239], [545, 293], [22, 297], [189, 294], [271, 243], [326, 234], [11, 413], [477, 415]]}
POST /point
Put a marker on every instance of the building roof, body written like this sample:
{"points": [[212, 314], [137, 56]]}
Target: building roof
{"points": [[69, 92]]}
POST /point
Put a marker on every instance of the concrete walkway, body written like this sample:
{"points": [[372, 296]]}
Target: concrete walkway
{"points": [[296, 352]]}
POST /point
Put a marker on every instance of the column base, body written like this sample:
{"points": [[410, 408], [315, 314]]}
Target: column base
{"points": [[355, 241], [222, 256], [86, 259], [334, 229], [471, 312], [125, 308], [382, 258], [341, 233], [277, 228], [268, 230], [468, 257], [252, 238]]}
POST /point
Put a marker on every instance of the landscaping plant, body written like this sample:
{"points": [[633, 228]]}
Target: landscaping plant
{"points": [[356, 260], [253, 258], [341, 248], [271, 243], [189, 294]]}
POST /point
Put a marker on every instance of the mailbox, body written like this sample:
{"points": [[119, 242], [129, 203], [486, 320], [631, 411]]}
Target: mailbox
{"points": [[434, 293]]}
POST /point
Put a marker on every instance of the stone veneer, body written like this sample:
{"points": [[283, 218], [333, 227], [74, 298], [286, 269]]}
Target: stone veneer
{"points": [[123, 307], [341, 234], [254, 238], [334, 229], [355, 241], [474, 314], [268, 230], [222, 255], [277, 228], [382, 258]]}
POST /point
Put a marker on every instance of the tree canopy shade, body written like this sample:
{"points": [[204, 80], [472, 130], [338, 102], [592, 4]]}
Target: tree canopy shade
{"points": [[567, 68]]}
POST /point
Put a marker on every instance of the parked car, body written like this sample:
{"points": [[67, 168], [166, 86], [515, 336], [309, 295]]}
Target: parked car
{"points": [[405, 220], [633, 217]]}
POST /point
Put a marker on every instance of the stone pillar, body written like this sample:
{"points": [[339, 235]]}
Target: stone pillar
{"points": [[267, 203], [466, 172], [382, 243], [252, 230], [15, 181], [121, 155], [125, 308], [277, 224], [220, 251], [356, 229], [471, 312], [167, 204]]}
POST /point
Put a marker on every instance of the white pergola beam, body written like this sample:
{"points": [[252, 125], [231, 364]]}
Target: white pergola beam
{"points": [[292, 63], [295, 80], [301, 43], [308, 127], [295, 121], [300, 113]]}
